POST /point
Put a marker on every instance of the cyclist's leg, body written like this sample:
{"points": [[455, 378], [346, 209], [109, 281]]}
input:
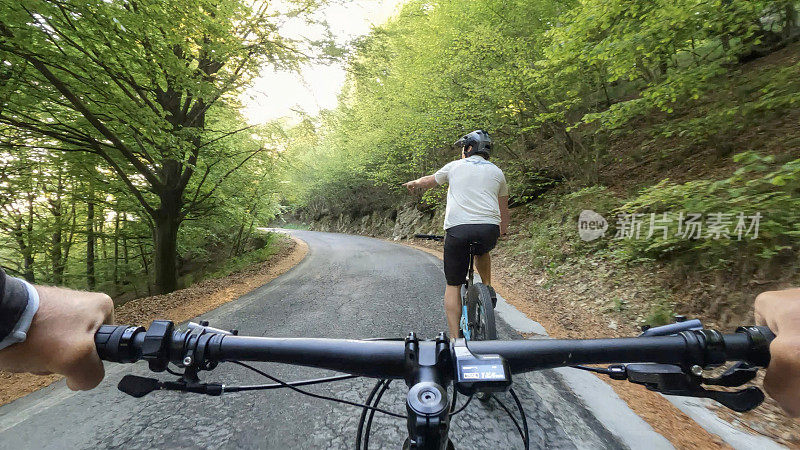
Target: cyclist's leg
{"points": [[486, 236], [484, 265], [452, 308]]}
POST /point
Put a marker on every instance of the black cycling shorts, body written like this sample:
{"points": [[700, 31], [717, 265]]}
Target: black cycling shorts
{"points": [[456, 248]]}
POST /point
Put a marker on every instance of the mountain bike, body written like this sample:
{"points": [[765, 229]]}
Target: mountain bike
{"points": [[477, 301], [669, 360]]}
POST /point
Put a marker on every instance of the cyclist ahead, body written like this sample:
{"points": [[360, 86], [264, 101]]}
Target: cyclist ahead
{"points": [[477, 212]]}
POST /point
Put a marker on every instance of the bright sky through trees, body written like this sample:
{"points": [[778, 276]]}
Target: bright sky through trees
{"points": [[279, 94]]}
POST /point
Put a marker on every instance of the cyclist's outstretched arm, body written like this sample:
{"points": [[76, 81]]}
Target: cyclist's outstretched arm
{"points": [[780, 311], [423, 183]]}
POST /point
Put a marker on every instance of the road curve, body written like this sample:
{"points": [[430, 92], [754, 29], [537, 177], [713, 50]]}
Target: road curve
{"points": [[347, 287]]}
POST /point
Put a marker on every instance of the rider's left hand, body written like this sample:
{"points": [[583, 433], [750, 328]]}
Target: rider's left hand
{"points": [[61, 337]]}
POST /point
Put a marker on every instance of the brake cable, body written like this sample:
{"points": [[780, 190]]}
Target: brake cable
{"points": [[259, 387], [469, 399], [364, 412], [526, 438], [523, 435], [319, 396], [372, 413], [601, 370]]}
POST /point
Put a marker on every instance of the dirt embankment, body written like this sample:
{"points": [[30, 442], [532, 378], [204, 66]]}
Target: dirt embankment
{"points": [[178, 306]]}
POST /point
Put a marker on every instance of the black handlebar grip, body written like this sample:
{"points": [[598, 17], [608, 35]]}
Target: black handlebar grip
{"points": [[115, 343], [768, 334], [760, 337]]}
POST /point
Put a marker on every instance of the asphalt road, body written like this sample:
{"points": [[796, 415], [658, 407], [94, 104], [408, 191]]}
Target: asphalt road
{"points": [[347, 287]]}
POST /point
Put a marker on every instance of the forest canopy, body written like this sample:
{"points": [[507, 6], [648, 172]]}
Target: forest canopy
{"points": [[120, 124]]}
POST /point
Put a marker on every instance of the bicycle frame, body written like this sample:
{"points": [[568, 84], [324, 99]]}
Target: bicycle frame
{"points": [[470, 280]]}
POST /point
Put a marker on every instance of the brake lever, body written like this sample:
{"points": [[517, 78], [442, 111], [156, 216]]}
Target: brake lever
{"points": [[737, 375], [670, 379], [138, 387]]}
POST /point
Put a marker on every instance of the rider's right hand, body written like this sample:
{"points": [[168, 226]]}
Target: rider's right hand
{"points": [[61, 337], [780, 311]]}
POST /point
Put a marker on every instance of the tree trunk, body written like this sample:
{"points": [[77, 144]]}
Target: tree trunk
{"points": [[28, 272], [790, 22], [235, 249], [125, 256], [56, 208], [70, 239], [101, 221], [249, 233], [115, 271], [165, 237], [146, 268], [29, 259], [91, 281], [25, 250]]}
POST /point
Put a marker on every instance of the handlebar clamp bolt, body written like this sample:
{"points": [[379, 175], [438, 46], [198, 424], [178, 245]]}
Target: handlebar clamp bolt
{"points": [[696, 370]]}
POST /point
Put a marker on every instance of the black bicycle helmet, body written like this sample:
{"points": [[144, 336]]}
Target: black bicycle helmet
{"points": [[480, 142]]}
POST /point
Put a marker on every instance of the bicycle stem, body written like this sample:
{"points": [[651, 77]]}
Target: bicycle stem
{"points": [[427, 402]]}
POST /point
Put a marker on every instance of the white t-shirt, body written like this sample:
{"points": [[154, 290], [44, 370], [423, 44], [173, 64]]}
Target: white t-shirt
{"points": [[475, 185]]}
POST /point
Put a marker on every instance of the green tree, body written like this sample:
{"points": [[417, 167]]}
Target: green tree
{"points": [[133, 83]]}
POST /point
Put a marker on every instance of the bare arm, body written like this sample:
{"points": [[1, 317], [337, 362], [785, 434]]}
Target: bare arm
{"points": [[505, 214], [61, 337], [423, 183]]}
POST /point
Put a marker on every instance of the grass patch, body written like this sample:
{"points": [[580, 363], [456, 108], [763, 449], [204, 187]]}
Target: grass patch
{"points": [[294, 226], [551, 232], [660, 314], [272, 244]]}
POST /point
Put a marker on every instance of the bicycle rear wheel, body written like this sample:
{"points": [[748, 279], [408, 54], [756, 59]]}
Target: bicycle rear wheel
{"points": [[480, 313], [480, 320]]}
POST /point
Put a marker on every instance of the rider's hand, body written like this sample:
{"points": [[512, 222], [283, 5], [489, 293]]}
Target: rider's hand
{"points": [[61, 337], [780, 311], [411, 185]]}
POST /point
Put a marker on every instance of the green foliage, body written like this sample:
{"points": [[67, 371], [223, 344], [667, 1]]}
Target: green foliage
{"points": [[551, 230], [128, 113], [528, 183], [618, 304], [550, 80], [661, 313], [271, 244], [353, 197], [675, 50], [760, 186]]}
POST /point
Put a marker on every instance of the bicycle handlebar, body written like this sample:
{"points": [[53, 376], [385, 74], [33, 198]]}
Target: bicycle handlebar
{"points": [[428, 367], [387, 359]]}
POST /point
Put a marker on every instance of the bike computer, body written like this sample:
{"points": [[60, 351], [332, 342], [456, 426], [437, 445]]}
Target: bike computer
{"points": [[482, 373]]}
